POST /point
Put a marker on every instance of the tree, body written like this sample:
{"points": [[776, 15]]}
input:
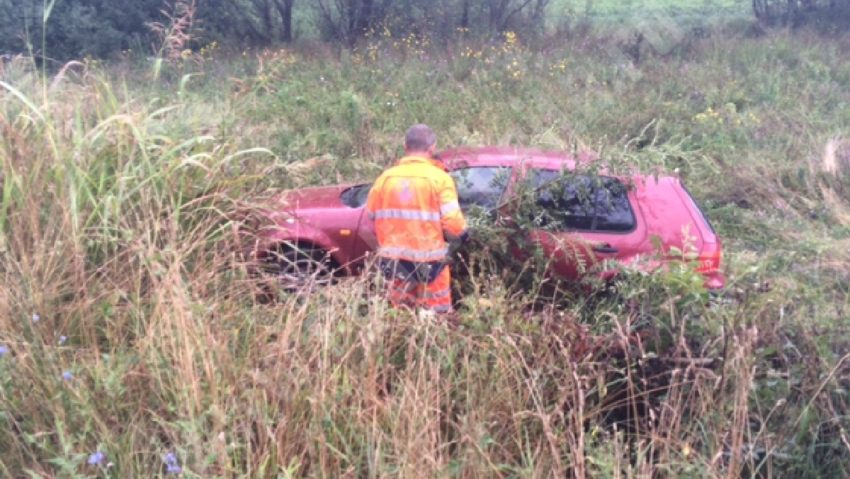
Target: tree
{"points": [[76, 28], [791, 11], [464, 16], [348, 20], [285, 9], [99, 28], [503, 12], [258, 22]]}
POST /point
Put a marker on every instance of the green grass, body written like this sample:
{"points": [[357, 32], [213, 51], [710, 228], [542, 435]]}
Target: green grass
{"points": [[631, 9], [121, 198]]}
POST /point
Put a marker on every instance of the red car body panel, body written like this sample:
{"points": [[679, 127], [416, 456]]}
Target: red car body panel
{"points": [[316, 217], [664, 214]]}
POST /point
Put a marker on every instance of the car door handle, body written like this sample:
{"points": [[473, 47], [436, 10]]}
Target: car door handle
{"points": [[605, 248]]}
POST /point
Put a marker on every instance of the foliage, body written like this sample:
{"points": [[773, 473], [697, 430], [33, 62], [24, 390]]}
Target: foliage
{"points": [[101, 29], [76, 28], [793, 11], [348, 21], [249, 22], [131, 344]]}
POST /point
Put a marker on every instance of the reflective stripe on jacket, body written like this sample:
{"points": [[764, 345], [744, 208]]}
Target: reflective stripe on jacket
{"points": [[415, 208]]}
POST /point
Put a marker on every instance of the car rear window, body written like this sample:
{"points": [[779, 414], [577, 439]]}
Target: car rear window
{"points": [[582, 202], [699, 210]]}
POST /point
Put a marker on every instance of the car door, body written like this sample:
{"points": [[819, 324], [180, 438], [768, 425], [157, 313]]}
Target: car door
{"points": [[480, 190], [581, 222]]}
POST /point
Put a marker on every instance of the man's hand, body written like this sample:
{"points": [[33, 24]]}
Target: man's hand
{"points": [[456, 243]]}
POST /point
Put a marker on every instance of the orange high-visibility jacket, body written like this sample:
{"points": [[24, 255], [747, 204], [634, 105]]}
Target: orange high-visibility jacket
{"points": [[415, 209]]}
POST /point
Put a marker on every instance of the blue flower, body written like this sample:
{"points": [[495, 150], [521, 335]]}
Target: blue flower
{"points": [[172, 465], [4, 350], [35, 317], [62, 340], [67, 375], [97, 458]]}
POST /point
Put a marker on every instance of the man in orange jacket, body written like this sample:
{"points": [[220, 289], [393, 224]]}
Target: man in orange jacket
{"points": [[415, 208]]}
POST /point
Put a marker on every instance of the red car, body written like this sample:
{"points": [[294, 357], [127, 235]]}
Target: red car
{"points": [[584, 221]]}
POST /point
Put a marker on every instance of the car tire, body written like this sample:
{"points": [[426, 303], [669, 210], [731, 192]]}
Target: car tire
{"points": [[298, 267]]}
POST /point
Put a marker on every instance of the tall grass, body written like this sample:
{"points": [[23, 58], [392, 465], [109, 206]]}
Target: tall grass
{"points": [[131, 327]]}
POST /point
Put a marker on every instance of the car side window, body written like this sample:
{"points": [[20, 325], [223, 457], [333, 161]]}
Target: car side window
{"points": [[481, 186], [582, 202], [355, 196]]}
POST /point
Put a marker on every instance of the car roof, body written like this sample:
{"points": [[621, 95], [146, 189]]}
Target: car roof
{"points": [[514, 156]]}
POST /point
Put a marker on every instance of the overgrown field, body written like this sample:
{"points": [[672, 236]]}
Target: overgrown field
{"points": [[129, 326]]}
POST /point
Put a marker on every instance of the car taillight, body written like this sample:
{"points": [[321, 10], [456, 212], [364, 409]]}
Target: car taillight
{"points": [[709, 258]]}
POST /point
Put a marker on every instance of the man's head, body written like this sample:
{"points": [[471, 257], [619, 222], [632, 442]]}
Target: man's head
{"points": [[420, 139]]}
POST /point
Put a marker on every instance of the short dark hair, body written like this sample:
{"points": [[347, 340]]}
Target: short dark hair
{"points": [[419, 137]]}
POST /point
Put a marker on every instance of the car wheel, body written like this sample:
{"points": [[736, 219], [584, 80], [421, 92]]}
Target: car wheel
{"points": [[298, 267]]}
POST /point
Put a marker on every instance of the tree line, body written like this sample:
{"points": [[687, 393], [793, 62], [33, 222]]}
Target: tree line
{"points": [[100, 28], [794, 12]]}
